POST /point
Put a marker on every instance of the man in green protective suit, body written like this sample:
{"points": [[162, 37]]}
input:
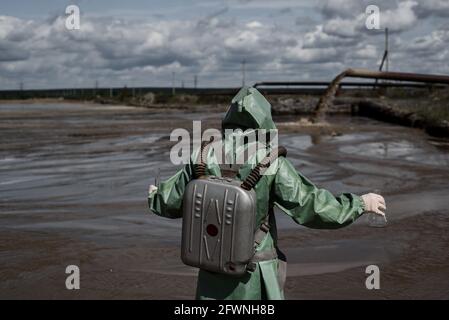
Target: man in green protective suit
{"points": [[285, 188]]}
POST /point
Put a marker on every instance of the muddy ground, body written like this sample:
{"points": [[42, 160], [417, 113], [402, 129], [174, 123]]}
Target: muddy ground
{"points": [[73, 183]]}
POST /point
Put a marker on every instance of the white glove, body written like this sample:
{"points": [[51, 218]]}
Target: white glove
{"points": [[374, 203], [152, 189]]}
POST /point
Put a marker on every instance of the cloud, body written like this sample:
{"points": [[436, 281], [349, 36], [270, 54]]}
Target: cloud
{"points": [[254, 24], [426, 8], [434, 44], [344, 27], [342, 8], [311, 55], [10, 51], [321, 38], [106, 48], [401, 18], [119, 51], [398, 19], [366, 52], [212, 17]]}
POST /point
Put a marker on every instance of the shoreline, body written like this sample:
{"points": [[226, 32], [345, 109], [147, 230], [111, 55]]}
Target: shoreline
{"points": [[74, 181], [399, 114], [46, 100], [383, 109]]}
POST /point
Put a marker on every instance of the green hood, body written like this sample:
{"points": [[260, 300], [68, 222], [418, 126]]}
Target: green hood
{"points": [[249, 110]]}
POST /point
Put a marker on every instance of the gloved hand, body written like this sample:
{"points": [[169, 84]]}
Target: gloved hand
{"points": [[374, 203], [152, 189]]}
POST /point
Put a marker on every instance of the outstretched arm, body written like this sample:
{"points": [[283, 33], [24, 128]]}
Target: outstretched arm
{"points": [[165, 200], [310, 206]]}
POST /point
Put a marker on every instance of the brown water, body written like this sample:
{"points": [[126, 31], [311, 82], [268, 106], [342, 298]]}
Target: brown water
{"points": [[73, 186]]}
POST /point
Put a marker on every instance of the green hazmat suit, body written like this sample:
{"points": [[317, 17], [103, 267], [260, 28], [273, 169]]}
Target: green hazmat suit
{"points": [[287, 189]]}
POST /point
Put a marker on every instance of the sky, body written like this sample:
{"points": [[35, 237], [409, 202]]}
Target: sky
{"points": [[151, 43]]}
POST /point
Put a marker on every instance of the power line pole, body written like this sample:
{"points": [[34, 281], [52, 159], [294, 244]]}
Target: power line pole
{"points": [[195, 81], [21, 85], [386, 48], [385, 57], [173, 83], [243, 72], [96, 87]]}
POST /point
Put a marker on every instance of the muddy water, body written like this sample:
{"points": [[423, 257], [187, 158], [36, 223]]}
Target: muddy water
{"points": [[73, 181]]}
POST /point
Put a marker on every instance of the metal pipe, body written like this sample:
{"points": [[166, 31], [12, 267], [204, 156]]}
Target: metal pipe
{"points": [[398, 76], [328, 96]]}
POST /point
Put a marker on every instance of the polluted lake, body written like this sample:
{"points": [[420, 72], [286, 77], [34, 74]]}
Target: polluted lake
{"points": [[74, 179]]}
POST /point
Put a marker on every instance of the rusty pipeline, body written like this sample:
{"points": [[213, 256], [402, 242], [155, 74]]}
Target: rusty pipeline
{"points": [[326, 99]]}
